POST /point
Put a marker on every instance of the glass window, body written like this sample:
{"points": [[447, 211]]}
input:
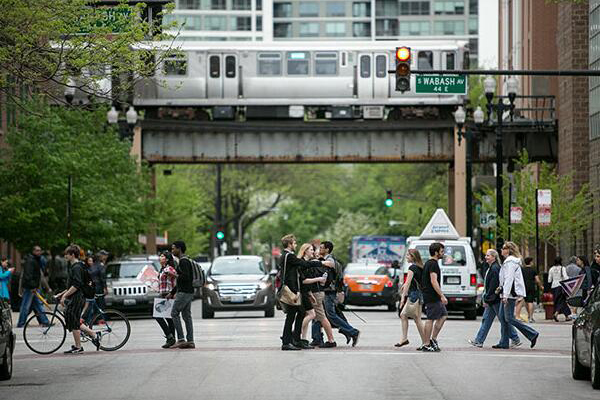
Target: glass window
{"points": [[453, 255], [297, 62], [259, 23], [336, 9], [335, 29], [425, 60], [230, 66], [269, 64], [450, 60], [365, 66], [361, 9], [386, 8], [449, 28], [466, 60], [189, 4], [241, 23], [241, 5], [326, 63], [218, 5], [215, 23], [175, 65], [190, 22], [473, 26], [381, 66], [258, 5], [282, 29], [414, 8], [309, 9], [473, 7], [282, 10], [309, 29], [414, 28], [387, 27], [234, 266], [361, 29], [214, 66], [449, 7]]}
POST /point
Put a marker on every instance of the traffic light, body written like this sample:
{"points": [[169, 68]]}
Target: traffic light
{"points": [[389, 201], [220, 233], [402, 69]]}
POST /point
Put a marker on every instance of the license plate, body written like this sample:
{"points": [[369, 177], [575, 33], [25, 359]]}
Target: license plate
{"points": [[453, 280], [458, 299], [129, 302], [237, 299], [367, 294], [365, 287]]}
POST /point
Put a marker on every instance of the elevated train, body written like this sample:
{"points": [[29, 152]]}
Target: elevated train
{"points": [[332, 80]]}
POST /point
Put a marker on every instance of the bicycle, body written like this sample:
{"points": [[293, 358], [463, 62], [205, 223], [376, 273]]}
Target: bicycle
{"points": [[48, 338]]}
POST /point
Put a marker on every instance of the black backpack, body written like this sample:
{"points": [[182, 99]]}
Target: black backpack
{"points": [[198, 274], [88, 288]]}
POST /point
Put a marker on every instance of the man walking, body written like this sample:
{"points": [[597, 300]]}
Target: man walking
{"points": [[183, 298], [434, 299], [31, 280], [98, 274]]}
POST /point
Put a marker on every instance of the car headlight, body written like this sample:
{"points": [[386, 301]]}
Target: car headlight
{"points": [[263, 285], [211, 286]]}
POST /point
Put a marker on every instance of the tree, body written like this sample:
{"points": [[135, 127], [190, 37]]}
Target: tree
{"points": [[348, 224], [109, 188]]}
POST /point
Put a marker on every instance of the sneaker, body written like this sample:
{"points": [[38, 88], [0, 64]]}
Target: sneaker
{"points": [[435, 345], [74, 350], [475, 344], [314, 343], [170, 342], [531, 320], [188, 345], [420, 348], [96, 340], [355, 339], [328, 345], [534, 340], [428, 349], [514, 344], [178, 344], [497, 346]]}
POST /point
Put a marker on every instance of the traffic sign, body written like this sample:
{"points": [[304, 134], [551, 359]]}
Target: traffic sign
{"points": [[438, 84]]}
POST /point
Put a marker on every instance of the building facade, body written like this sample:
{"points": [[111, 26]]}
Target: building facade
{"points": [[594, 118]]}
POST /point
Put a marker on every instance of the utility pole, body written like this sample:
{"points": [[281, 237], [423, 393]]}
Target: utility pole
{"points": [[69, 207], [218, 214]]}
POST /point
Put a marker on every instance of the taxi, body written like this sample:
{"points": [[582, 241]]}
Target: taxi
{"points": [[370, 285]]}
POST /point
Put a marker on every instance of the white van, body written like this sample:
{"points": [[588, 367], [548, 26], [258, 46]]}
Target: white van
{"points": [[460, 279]]}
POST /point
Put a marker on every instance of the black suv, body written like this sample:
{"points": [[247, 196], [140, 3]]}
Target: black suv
{"points": [[585, 347], [7, 341]]}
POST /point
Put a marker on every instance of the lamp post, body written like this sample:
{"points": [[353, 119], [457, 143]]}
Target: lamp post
{"points": [[131, 116], [499, 108], [70, 91]]}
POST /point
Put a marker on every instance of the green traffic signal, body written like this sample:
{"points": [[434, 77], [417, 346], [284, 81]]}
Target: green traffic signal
{"points": [[389, 202], [220, 235]]}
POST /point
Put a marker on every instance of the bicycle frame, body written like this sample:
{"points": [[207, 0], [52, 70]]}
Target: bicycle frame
{"points": [[55, 311]]}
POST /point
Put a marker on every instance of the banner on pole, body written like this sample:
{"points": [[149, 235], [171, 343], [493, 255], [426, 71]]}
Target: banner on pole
{"points": [[516, 215]]}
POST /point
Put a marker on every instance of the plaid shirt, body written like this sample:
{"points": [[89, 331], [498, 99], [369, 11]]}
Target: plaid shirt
{"points": [[166, 279]]}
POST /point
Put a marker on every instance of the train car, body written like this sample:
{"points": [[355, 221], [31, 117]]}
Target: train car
{"points": [[333, 80]]}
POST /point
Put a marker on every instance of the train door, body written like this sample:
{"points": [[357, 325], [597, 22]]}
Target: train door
{"points": [[373, 81], [222, 79]]}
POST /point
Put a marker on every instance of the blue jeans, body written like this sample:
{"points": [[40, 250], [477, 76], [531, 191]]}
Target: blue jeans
{"points": [[344, 327], [489, 314], [507, 315], [30, 302]]}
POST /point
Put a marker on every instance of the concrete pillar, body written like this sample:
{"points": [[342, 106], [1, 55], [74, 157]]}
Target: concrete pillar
{"points": [[459, 214], [136, 145]]}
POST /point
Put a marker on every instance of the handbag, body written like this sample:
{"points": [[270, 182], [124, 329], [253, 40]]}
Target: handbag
{"points": [[285, 294], [412, 309]]}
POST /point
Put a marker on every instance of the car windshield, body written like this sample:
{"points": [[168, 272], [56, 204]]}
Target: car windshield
{"points": [[365, 270], [235, 266], [453, 254], [126, 270]]}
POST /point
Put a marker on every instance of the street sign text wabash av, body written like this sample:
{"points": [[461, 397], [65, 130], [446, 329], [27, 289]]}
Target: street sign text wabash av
{"points": [[438, 84]]}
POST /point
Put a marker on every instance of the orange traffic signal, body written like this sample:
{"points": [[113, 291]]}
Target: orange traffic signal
{"points": [[403, 68]]}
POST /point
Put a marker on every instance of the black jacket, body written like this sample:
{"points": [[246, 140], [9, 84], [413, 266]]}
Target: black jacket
{"points": [[492, 281], [185, 275], [293, 265], [32, 272]]}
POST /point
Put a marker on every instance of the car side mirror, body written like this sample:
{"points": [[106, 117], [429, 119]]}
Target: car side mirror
{"points": [[576, 301]]}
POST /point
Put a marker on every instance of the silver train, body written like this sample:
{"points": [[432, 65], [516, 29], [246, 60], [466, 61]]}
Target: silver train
{"points": [[331, 80]]}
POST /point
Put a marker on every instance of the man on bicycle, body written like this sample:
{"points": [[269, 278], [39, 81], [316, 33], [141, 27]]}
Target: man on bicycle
{"points": [[74, 300]]}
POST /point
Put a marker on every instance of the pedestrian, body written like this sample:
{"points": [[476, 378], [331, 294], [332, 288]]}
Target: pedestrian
{"points": [[59, 273], [73, 300], [334, 286], [572, 268], [595, 268], [166, 283], [434, 299], [312, 299], [90, 301], [556, 274], [98, 274], [583, 263], [5, 274], [412, 297], [492, 302], [184, 295], [32, 278], [532, 282], [512, 287], [291, 267]]}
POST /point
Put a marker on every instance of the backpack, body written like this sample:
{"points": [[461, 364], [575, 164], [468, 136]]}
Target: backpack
{"points": [[335, 280], [88, 289], [198, 274]]}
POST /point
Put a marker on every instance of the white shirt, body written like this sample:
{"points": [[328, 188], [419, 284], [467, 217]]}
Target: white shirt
{"points": [[511, 273], [556, 274]]}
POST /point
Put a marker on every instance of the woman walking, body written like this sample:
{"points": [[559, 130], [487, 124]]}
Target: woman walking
{"points": [[556, 274], [411, 299], [166, 282], [513, 287], [532, 282], [5, 274], [309, 278]]}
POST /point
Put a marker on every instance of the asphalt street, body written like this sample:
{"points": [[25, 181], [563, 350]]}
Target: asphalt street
{"points": [[238, 356]]}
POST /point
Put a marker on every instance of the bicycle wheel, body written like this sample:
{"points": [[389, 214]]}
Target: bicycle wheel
{"points": [[114, 329], [45, 339]]}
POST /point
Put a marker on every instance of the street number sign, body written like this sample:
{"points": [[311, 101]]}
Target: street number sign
{"points": [[441, 84]]}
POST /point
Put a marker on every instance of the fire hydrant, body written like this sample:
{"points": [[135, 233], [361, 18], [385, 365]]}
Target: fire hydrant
{"points": [[548, 303]]}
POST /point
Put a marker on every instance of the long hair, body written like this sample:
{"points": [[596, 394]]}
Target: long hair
{"points": [[494, 253], [584, 261], [416, 256], [303, 249], [513, 249]]}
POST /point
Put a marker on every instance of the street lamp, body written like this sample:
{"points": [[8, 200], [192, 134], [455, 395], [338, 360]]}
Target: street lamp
{"points": [[131, 116], [499, 108], [70, 90]]}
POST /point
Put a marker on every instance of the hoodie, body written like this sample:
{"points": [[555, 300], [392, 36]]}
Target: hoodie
{"points": [[511, 278]]}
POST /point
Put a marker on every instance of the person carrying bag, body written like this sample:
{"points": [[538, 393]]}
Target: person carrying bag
{"points": [[412, 297]]}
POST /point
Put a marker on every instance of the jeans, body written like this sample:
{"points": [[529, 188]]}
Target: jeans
{"points": [[293, 318], [489, 314], [183, 305], [343, 325], [167, 326], [31, 302], [560, 302], [507, 315]]}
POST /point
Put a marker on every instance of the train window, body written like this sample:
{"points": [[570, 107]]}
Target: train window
{"points": [[380, 66], [365, 66], [450, 60], [230, 66], [297, 62], [425, 60], [466, 60], [344, 60], [215, 66], [326, 63], [175, 65], [269, 64]]}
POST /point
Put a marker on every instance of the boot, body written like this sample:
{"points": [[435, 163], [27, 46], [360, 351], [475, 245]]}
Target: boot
{"points": [[170, 342]]}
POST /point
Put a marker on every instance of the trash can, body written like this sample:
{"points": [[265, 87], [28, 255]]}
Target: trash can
{"points": [[548, 303]]}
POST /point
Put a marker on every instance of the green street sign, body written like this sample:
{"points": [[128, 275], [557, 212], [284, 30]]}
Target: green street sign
{"points": [[441, 84], [115, 18]]}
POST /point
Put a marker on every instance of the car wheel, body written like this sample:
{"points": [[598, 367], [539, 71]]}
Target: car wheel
{"points": [[392, 307], [595, 364], [471, 314], [270, 312], [7, 363], [207, 313], [578, 371]]}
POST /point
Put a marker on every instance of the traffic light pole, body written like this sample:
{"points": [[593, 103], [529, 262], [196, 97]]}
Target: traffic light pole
{"points": [[218, 214]]}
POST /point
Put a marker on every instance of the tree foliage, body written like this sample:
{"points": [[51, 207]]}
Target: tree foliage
{"points": [[108, 191]]}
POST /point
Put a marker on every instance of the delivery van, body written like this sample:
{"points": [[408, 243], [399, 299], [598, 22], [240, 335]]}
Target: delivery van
{"points": [[460, 279]]}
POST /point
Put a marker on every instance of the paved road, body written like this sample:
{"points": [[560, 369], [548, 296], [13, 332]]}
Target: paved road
{"points": [[238, 357]]}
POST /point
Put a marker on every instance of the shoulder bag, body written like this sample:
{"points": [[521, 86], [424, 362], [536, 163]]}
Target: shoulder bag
{"points": [[285, 294], [412, 309]]}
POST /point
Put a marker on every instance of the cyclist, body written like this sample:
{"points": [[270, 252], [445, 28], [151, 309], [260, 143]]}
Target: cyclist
{"points": [[74, 300]]}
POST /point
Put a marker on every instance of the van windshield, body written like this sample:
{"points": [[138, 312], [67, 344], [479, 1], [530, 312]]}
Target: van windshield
{"points": [[453, 255]]}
